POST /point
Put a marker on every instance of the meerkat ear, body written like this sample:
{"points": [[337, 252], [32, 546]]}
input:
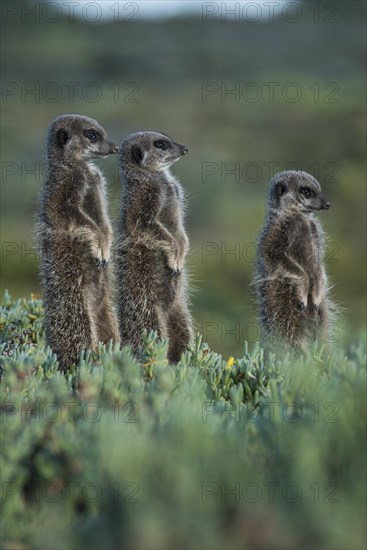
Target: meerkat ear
{"points": [[280, 189], [62, 137], [137, 153]]}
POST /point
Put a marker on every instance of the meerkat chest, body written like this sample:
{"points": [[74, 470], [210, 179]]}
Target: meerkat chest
{"points": [[95, 203], [93, 172], [88, 179], [172, 188], [316, 251], [172, 211], [172, 196]]}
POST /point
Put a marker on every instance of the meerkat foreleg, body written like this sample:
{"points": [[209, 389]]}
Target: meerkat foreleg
{"points": [[106, 245], [183, 247], [159, 238], [326, 329], [318, 288], [85, 228], [94, 238], [301, 281], [107, 327]]}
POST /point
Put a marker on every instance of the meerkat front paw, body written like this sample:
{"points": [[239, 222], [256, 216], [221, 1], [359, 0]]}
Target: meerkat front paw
{"points": [[175, 272], [302, 301], [172, 256], [183, 246], [101, 262], [316, 296], [302, 305], [314, 309], [105, 260], [101, 251], [105, 256], [97, 253], [173, 263], [302, 298], [106, 246], [316, 302]]}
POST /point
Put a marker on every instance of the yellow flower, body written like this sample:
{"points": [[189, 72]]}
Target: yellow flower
{"points": [[230, 363]]}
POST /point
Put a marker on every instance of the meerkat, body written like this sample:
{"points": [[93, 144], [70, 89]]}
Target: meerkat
{"points": [[75, 235], [152, 244], [290, 280]]}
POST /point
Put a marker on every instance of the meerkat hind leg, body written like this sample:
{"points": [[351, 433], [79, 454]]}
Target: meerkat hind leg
{"points": [[179, 332], [107, 327], [70, 329], [134, 321]]}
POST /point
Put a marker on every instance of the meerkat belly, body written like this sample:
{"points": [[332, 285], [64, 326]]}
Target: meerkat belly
{"points": [[155, 276], [171, 218], [67, 254]]}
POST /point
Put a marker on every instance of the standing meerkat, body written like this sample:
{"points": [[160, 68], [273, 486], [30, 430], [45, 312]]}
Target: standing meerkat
{"points": [[290, 277], [152, 244], [75, 235]]}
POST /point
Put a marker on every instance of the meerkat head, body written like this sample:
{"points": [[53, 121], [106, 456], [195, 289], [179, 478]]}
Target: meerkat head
{"points": [[151, 150], [78, 137], [296, 191]]}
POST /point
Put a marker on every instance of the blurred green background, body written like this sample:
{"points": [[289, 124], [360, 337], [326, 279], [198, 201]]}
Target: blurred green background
{"points": [[299, 102]]}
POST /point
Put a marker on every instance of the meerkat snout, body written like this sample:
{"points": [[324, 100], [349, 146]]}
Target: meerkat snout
{"points": [[108, 149], [113, 148]]}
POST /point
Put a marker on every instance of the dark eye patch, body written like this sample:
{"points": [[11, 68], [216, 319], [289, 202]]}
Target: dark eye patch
{"points": [[161, 144], [93, 135], [306, 191]]}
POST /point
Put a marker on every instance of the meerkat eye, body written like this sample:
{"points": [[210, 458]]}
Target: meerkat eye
{"points": [[306, 191], [93, 136], [161, 144]]}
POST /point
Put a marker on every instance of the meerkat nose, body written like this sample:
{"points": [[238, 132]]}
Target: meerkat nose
{"points": [[185, 150], [326, 205]]}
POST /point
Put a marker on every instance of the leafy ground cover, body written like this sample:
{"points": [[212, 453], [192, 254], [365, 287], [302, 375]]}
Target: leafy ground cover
{"points": [[214, 452]]}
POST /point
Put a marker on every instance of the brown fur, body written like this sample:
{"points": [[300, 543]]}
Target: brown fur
{"points": [[75, 237], [152, 245], [290, 277]]}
